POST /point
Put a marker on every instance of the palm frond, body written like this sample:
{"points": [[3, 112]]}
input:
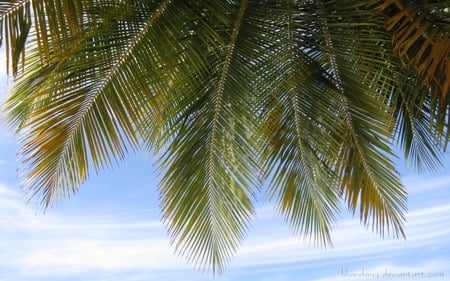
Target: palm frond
{"points": [[298, 128], [15, 24], [80, 107], [320, 144], [364, 164], [420, 36], [416, 131], [210, 163], [306, 94]]}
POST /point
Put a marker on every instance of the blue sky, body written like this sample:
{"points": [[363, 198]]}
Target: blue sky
{"points": [[111, 230]]}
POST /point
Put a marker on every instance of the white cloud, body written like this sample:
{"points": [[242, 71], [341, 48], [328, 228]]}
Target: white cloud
{"points": [[59, 244], [35, 241], [90, 254], [427, 225], [12, 208], [416, 184]]}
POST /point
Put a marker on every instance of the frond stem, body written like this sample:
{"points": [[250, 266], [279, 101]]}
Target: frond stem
{"points": [[310, 177], [348, 115], [87, 105], [222, 81], [91, 99], [129, 51], [214, 132]]}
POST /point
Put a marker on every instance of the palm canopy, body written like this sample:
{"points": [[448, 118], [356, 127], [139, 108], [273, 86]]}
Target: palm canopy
{"points": [[307, 95]]}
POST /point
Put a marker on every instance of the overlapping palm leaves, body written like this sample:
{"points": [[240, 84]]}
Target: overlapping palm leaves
{"points": [[420, 37], [306, 94]]}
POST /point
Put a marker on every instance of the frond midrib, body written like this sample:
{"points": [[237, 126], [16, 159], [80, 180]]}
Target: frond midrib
{"points": [[311, 182], [214, 133], [348, 119], [347, 115], [90, 100]]}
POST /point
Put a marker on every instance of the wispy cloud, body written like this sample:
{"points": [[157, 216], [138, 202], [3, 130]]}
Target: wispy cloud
{"points": [[427, 228], [126, 247], [35, 241], [417, 184]]}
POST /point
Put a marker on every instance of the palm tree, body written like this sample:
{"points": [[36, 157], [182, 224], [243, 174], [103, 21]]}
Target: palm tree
{"points": [[300, 100]]}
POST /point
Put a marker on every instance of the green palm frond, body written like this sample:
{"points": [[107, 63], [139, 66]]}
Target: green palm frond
{"points": [[320, 145], [421, 139], [370, 181], [308, 95], [210, 162], [298, 128], [79, 108]]}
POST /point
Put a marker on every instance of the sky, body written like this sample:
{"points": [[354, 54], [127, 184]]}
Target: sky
{"points": [[111, 230]]}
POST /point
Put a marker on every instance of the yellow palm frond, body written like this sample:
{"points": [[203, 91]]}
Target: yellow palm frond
{"points": [[420, 35]]}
